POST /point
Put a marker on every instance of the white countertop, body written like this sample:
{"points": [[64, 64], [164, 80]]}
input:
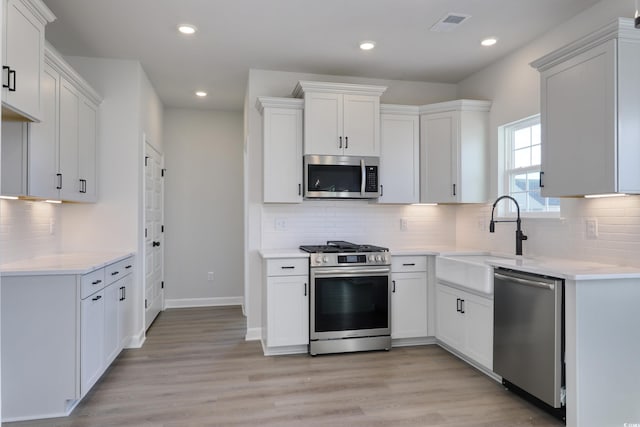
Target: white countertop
{"points": [[63, 263], [283, 253]]}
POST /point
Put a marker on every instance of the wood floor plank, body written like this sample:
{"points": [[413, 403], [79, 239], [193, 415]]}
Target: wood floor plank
{"points": [[195, 369]]}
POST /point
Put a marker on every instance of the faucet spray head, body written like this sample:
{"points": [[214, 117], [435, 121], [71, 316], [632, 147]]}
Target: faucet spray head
{"points": [[492, 226]]}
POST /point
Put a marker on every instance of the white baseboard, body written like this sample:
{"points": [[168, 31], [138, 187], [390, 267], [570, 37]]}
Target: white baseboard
{"points": [[137, 340], [202, 302], [253, 334], [410, 342]]}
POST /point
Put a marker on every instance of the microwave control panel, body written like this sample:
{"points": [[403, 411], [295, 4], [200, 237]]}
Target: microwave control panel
{"points": [[371, 179]]}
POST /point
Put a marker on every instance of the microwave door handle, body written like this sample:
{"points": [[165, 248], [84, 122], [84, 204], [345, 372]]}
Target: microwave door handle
{"points": [[363, 176]]}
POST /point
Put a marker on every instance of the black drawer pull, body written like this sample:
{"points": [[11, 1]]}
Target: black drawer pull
{"points": [[96, 282], [97, 298], [128, 267], [409, 264], [115, 273], [287, 267]]}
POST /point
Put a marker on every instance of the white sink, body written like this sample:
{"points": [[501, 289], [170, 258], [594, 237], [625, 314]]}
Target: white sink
{"points": [[469, 271]]}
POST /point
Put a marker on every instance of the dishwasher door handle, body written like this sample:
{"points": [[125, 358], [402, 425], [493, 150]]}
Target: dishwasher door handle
{"points": [[526, 282]]}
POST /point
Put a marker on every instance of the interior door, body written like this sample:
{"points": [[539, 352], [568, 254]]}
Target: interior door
{"points": [[154, 232]]}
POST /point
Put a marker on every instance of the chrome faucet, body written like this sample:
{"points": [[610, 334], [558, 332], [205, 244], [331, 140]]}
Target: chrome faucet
{"points": [[519, 234]]}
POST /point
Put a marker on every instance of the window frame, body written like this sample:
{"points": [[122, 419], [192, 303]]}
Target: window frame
{"points": [[506, 133]]}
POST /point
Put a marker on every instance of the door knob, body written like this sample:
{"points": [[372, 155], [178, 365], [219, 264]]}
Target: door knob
{"points": [[154, 244]]}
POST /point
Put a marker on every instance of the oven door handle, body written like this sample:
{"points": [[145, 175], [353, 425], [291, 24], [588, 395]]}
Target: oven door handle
{"points": [[348, 270]]}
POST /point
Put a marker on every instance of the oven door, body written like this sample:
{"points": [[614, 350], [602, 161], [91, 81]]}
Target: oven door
{"points": [[350, 302]]}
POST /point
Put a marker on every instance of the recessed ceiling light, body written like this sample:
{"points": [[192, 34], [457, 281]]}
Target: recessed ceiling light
{"points": [[201, 93], [187, 29], [489, 41], [367, 45]]}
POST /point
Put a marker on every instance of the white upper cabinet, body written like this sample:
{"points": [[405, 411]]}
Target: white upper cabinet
{"points": [[23, 57], [590, 105], [56, 158], [340, 119], [282, 149], [399, 154], [453, 152]]}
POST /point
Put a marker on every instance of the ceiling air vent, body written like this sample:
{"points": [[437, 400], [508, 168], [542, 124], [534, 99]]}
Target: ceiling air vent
{"points": [[449, 22]]}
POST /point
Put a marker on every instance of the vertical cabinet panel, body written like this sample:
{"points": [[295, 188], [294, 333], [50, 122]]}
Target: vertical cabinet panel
{"points": [[111, 322], [323, 124], [409, 305], [288, 306], [92, 340], [361, 125], [87, 151], [69, 140]]}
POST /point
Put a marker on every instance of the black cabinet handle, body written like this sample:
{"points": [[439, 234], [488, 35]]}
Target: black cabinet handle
{"points": [[458, 305], [115, 273], [97, 298], [96, 282], [381, 190], [287, 267], [340, 145], [128, 266], [409, 264], [12, 88], [8, 69], [59, 186], [541, 175], [305, 289], [83, 185], [394, 286], [346, 142], [454, 189], [299, 189], [462, 306]]}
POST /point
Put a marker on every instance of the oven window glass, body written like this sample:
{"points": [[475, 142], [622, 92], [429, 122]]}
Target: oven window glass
{"points": [[334, 178], [351, 303]]}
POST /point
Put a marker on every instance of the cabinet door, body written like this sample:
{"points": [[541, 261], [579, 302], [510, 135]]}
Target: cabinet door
{"points": [[43, 142], [87, 150], [579, 124], [24, 54], [449, 321], [69, 106], [91, 340], [323, 127], [409, 305], [478, 343], [125, 310], [288, 311], [439, 133], [399, 159], [361, 125], [112, 295], [282, 155]]}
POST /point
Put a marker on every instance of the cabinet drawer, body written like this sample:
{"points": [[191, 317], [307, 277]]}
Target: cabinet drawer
{"points": [[92, 282], [288, 267], [408, 263], [118, 270]]}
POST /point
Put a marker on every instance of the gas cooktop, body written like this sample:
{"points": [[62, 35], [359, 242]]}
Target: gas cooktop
{"points": [[340, 246]]}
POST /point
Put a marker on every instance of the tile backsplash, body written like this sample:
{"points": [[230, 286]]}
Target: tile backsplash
{"points": [[28, 229], [393, 226]]}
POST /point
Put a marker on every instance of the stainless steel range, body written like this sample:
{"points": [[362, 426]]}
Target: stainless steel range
{"points": [[350, 298]]}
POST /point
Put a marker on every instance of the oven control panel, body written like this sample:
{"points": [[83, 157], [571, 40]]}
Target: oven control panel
{"points": [[350, 259]]}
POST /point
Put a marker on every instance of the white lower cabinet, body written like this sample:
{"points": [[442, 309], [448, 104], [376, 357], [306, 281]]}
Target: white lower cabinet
{"points": [[409, 297], [464, 322], [286, 309], [60, 333], [92, 340]]}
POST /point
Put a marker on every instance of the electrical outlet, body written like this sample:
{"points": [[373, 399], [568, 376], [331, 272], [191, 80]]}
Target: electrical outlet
{"points": [[404, 224], [210, 276], [280, 224], [591, 228]]}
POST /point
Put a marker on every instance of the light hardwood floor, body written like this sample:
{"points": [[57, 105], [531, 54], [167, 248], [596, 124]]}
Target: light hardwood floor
{"points": [[195, 369]]}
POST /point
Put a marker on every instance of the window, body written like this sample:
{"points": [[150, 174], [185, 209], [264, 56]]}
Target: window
{"points": [[522, 168]]}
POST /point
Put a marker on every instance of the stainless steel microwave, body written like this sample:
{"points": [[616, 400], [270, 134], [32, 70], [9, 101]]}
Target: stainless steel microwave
{"points": [[341, 177]]}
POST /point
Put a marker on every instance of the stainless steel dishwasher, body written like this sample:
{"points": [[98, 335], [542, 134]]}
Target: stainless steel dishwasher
{"points": [[528, 341]]}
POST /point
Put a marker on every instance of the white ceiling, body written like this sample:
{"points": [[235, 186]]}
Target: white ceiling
{"points": [[314, 36]]}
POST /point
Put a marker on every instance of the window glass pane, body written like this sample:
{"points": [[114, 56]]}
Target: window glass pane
{"points": [[522, 200], [535, 134], [533, 181], [522, 158], [522, 138], [536, 202], [536, 155], [553, 204], [519, 183]]}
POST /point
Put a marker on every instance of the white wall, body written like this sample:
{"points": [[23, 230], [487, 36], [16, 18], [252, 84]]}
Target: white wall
{"points": [[203, 207], [514, 88], [359, 221]]}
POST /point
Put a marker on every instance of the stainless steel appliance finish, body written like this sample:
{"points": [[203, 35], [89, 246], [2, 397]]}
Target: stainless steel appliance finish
{"points": [[340, 177], [350, 298], [528, 334]]}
